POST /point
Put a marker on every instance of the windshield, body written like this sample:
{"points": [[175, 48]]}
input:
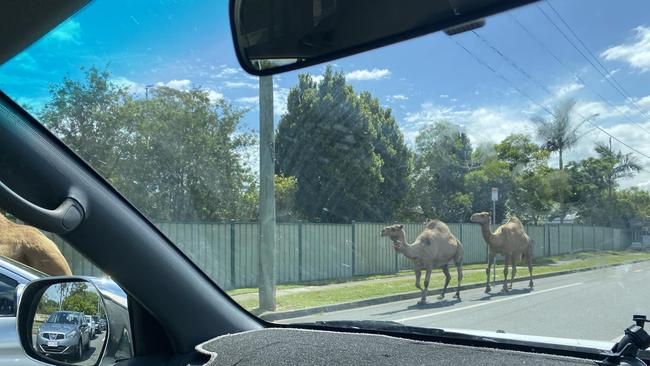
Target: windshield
{"points": [[63, 318], [362, 188]]}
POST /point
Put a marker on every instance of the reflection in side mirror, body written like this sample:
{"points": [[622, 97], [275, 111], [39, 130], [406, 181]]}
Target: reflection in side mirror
{"points": [[273, 36], [74, 321], [62, 325]]}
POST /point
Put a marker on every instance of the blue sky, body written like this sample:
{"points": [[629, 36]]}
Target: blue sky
{"points": [[187, 43]]}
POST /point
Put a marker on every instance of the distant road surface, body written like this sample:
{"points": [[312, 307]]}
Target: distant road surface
{"points": [[593, 305]]}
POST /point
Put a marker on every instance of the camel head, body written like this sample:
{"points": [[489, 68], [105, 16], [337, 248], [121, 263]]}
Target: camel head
{"points": [[394, 232], [480, 218]]}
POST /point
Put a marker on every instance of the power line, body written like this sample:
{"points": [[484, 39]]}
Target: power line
{"points": [[609, 77], [589, 61], [576, 75], [478, 59]]}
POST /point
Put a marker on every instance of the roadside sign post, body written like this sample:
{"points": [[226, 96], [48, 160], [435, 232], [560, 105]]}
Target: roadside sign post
{"points": [[495, 198]]}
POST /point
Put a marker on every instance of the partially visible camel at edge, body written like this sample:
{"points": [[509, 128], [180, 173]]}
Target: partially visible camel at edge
{"points": [[29, 246], [509, 240], [436, 246]]}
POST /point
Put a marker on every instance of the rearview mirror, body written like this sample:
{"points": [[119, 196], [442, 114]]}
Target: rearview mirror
{"points": [[273, 36], [70, 321]]}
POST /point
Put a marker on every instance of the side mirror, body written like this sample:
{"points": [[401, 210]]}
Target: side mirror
{"points": [[52, 328]]}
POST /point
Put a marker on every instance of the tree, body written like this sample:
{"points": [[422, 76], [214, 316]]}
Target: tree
{"points": [[443, 158], [88, 116], [559, 132], [559, 135], [176, 155], [531, 195], [328, 140], [82, 299], [594, 182]]}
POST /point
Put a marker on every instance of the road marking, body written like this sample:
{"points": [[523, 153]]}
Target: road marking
{"points": [[488, 303]]}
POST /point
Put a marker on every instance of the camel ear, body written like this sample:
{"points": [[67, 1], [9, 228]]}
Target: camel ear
{"points": [[401, 226]]}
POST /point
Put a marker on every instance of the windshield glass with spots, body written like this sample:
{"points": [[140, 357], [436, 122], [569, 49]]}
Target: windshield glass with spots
{"points": [[493, 180]]}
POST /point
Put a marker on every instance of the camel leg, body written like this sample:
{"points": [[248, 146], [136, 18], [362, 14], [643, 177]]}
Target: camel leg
{"points": [[418, 274], [445, 270], [505, 273], [425, 290], [488, 270], [459, 270], [514, 272]]}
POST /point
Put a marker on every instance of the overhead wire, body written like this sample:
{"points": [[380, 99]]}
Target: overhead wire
{"points": [[609, 76], [519, 90], [566, 37]]}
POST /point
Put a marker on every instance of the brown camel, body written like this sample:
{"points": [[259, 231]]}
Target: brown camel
{"points": [[509, 240], [28, 245], [434, 247]]}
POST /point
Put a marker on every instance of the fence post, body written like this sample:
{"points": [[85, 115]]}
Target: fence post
{"points": [[544, 240], [572, 226], [593, 235], [299, 250], [354, 259], [232, 254], [582, 227], [558, 239]]}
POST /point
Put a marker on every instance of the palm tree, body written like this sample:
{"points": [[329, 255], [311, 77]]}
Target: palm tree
{"points": [[558, 133], [622, 165]]}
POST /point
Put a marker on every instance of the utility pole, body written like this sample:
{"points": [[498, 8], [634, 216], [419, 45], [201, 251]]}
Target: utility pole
{"points": [[266, 270]]}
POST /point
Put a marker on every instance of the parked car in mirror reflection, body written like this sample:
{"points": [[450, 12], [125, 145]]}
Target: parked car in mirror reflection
{"points": [[65, 333]]}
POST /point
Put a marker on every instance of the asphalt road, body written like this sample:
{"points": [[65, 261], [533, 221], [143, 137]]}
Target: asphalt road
{"points": [[593, 305]]}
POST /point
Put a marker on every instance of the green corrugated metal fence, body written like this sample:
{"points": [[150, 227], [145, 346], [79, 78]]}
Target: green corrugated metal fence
{"points": [[227, 251]]}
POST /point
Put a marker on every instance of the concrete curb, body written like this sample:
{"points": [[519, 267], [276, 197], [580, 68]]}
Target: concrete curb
{"points": [[281, 315]]}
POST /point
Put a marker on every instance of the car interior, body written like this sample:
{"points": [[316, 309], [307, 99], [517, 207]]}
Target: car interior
{"points": [[177, 314]]}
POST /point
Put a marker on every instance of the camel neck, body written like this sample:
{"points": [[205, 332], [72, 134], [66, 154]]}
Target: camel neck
{"points": [[487, 234], [407, 250]]}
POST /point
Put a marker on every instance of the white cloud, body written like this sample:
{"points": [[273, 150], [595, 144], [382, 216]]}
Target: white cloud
{"points": [[444, 96], [644, 102], [483, 124], [317, 78], [280, 101], [396, 98], [183, 84], [214, 96], [565, 90], [134, 87], [240, 84], [635, 53], [365, 74], [248, 100], [225, 72], [68, 32]]}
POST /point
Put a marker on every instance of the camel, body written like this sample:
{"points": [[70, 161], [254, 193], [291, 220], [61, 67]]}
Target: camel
{"points": [[29, 246], [509, 240], [434, 247]]}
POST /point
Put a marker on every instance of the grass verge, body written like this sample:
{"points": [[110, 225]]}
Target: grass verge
{"points": [[299, 296]]}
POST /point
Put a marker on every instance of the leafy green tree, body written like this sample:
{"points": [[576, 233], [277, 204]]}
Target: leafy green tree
{"points": [[176, 155], [443, 158], [82, 299], [531, 195], [87, 115], [329, 141]]}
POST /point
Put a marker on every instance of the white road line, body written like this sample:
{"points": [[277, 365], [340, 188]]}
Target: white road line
{"points": [[487, 303]]}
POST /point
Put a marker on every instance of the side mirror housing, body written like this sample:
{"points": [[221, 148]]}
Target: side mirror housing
{"points": [[52, 328]]}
